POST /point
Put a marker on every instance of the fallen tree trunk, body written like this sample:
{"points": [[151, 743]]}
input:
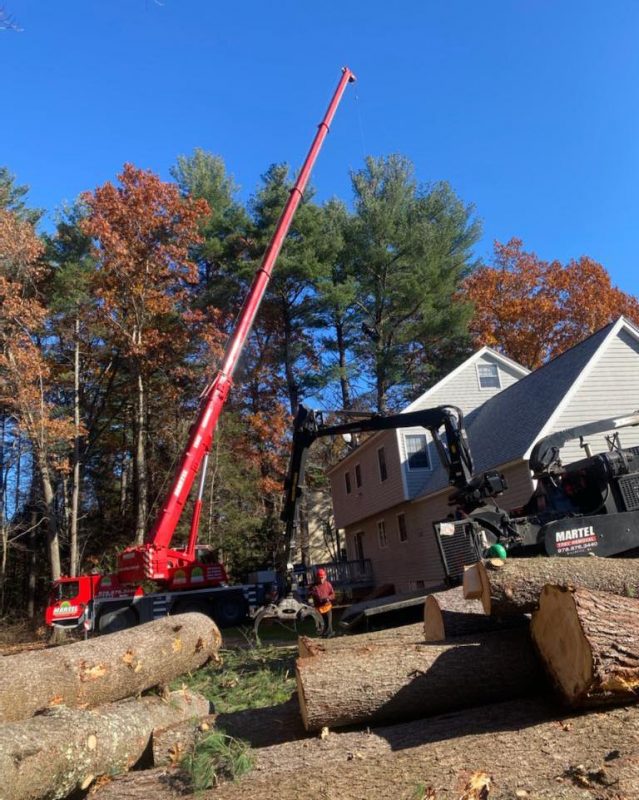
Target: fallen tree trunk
{"points": [[524, 746], [108, 668], [399, 682], [513, 586], [589, 643], [171, 743], [310, 646], [448, 615], [64, 750]]}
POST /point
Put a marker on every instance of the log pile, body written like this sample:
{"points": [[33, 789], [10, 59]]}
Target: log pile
{"points": [[71, 714], [477, 646]]}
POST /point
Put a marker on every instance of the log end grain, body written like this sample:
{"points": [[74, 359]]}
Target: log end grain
{"points": [[477, 586], [561, 643], [433, 621]]}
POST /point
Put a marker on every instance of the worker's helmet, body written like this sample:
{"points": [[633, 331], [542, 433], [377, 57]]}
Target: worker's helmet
{"points": [[321, 573]]}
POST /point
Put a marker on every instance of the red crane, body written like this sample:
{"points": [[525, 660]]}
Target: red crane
{"points": [[155, 560]]}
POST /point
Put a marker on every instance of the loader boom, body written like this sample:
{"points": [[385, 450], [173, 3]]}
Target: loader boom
{"points": [[154, 560]]}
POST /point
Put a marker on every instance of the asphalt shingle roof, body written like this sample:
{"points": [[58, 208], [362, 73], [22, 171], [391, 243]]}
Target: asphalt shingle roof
{"points": [[503, 428]]}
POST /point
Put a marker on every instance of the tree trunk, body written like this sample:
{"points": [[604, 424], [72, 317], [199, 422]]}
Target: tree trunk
{"points": [[513, 586], [140, 472], [74, 560], [448, 615], [86, 674], [66, 750], [410, 634], [400, 682], [48, 496], [525, 747], [175, 741], [589, 643]]}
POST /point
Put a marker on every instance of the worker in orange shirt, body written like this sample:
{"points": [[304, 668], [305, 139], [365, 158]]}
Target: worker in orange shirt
{"points": [[323, 595]]}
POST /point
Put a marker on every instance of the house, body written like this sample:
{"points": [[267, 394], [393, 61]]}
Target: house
{"points": [[388, 493]]}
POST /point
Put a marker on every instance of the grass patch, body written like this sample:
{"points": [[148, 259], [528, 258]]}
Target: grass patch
{"points": [[253, 677], [217, 757]]}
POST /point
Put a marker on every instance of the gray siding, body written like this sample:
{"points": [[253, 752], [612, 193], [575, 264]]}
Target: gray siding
{"points": [[610, 388], [462, 390]]}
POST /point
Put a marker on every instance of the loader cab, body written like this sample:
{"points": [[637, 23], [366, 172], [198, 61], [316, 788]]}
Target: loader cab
{"points": [[69, 600]]}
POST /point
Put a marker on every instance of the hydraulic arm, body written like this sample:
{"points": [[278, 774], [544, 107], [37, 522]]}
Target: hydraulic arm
{"points": [[154, 560], [455, 454]]}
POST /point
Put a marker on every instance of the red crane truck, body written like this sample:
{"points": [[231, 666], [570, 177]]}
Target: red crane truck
{"points": [[188, 578]]}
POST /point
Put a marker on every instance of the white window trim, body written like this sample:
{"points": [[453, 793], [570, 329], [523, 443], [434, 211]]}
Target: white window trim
{"points": [[381, 546], [487, 364], [399, 532], [348, 486], [429, 468]]}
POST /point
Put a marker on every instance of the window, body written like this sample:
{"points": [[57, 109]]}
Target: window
{"points": [[358, 476], [347, 481], [381, 534], [401, 527], [417, 451], [381, 458], [359, 545], [488, 376]]}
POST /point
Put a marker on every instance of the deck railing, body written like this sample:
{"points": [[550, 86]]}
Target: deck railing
{"points": [[345, 574]]}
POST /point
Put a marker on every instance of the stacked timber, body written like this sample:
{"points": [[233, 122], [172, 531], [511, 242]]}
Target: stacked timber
{"points": [[71, 714]]}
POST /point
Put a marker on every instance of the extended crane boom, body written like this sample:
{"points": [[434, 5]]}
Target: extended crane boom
{"points": [[154, 559]]}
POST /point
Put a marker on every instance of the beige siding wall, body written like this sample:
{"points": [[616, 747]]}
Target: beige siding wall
{"points": [[374, 494], [404, 564], [611, 389], [461, 389]]}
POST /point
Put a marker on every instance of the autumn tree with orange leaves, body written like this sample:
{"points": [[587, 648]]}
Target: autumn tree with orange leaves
{"points": [[533, 310], [25, 374], [143, 230]]}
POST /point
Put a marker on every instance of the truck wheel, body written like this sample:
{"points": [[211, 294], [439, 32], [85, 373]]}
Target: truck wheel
{"points": [[230, 611], [119, 620]]}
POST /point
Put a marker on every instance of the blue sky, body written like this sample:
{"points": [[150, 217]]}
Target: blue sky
{"points": [[528, 107]]}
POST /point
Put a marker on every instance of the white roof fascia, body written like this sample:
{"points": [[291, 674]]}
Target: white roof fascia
{"points": [[547, 428]]}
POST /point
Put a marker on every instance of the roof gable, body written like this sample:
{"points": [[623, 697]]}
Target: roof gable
{"points": [[505, 428]]}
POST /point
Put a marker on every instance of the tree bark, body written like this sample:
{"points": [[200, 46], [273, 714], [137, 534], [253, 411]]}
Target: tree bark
{"points": [[513, 586], [309, 646], [74, 558], [140, 470], [448, 615], [526, 747], [589, 643], [399, 682], [86, 674], [171, 743], [66, 750]]}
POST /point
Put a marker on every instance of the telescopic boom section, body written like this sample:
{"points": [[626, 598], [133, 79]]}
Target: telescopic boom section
{"points": [[154, 557]]}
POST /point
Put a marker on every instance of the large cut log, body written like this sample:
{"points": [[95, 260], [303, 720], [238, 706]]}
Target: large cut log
{"points": [[513, 586], [525, 747], [108, 668], [309, 646], [172, 743], [448, 615], [64, 750], [589, 643], [400, 682]]}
